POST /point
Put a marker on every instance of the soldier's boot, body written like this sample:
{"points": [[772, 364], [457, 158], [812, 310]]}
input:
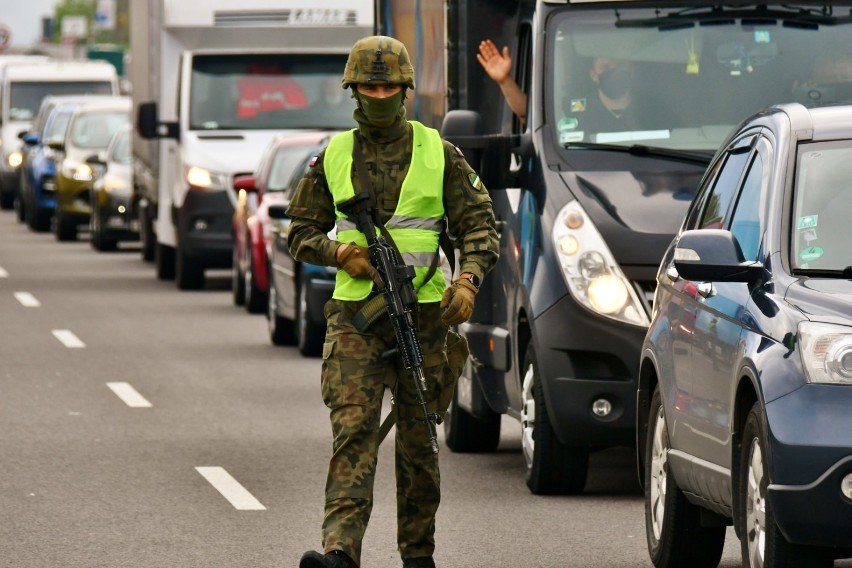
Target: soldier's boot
{"points": [[334, 559], [419, 562]]}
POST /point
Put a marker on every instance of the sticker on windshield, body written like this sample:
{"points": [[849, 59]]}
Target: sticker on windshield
{"points": [[808, 221], [567, 123], [577, 105], [571, 136], [811, 253], [809, 235], [762, 36]]}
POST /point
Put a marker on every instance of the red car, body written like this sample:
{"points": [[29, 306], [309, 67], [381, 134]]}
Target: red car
{"points": [[251, 225]]}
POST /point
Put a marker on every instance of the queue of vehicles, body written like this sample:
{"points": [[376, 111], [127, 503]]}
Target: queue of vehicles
{"points": [[580, 333]]}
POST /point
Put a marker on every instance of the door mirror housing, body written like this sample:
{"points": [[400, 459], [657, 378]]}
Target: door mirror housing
{"points": [[149, 126], [30, 138], [245, 183], [714, 255], [277, 211], [58, 145], [488, 154]]}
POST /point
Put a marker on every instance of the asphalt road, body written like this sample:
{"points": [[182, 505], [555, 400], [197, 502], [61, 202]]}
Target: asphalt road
{"points": [[141, 426]]}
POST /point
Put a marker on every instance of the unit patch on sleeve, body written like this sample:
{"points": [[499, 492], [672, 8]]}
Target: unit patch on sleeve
{"points": [[313, 161], [475, 183], [458, 151]]}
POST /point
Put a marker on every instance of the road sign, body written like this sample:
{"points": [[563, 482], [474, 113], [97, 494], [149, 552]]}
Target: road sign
{"points": [[74, 27]]}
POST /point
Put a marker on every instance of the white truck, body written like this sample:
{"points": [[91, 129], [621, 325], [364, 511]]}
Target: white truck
{"points": [[213, 82], [24, 82]]}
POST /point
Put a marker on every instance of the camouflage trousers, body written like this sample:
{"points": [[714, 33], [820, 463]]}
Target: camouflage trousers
{"points": [[354, 377]]}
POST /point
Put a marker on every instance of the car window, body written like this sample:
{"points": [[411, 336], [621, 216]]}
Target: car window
{"points": [[94, 130], [56, 128], [719, 202], [823, 199], [285, 161], [697, 206], [745, 222]]}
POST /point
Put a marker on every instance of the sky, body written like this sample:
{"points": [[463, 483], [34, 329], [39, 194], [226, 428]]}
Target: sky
{"points": [[23, 18]]}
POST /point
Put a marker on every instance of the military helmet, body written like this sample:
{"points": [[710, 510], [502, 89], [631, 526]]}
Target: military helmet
{"points": [[379, 59]]}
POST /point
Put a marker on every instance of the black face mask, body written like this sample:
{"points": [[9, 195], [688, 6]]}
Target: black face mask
{"points": [[614, 83]]}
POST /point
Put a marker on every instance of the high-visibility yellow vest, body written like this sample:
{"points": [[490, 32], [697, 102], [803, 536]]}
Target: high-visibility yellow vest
{"points": [[415, 225]]}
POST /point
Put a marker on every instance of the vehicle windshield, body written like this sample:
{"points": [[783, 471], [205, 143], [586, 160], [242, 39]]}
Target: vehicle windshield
{"points": [[57, 127], [639, 76], [823, 199], [268, 92], [283, 164], [25, 97], [121, 148], [93, 130]]}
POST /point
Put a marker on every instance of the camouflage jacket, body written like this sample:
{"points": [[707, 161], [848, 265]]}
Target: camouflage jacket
{"points": [[470, 218]]}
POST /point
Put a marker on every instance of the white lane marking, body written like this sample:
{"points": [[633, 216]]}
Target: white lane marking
{"points": [[230, 489], [3, 273], [129, 395], [68, 339], [27, 300]]}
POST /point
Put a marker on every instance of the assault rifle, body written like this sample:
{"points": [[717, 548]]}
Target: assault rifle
{"points": [[400, 300]]}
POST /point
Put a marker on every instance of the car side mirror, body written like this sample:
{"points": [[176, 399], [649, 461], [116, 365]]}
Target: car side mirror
{"points": [[245, 183], [277, 211], [149, 126], [29, 138], [57, 145], [96, 160], [488, 154], [713, 255]]}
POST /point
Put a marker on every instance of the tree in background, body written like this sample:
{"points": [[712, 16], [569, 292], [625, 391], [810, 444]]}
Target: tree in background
{"points": [[88, 8]]}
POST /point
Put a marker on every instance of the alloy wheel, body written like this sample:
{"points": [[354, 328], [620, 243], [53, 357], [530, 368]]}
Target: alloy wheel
{"points": [[756, 506], [659, 458], [528, 416]]}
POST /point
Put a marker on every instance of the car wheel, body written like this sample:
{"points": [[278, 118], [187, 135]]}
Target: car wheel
{"points": [[37, 219], [20, 209], [164, 260], [188, 272], [309, 336], [465, 433], [281, 331], [146, 235], [99, 240], [255, 298], [673, 526], [552, 467], [762, 543], [238, 282], [66, 229], [7, 200]]}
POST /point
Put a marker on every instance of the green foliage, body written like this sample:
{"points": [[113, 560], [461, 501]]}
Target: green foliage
{"points": [[65, 8]]}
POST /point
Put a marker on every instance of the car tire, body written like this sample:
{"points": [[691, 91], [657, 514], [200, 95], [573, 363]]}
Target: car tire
{"points": [[309, 336], [7, 200], [37, 219], [281, 330], [164, 261], [20, 209], [464, 433], [66, 228], [189, 274], [255, 298], [753, 483], [146, 235], [238, 282], [100, 242], [552, 468], [673, 526]]}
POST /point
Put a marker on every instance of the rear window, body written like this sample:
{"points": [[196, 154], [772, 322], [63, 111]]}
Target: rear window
{"points": [[25, 97], [95, 129]]}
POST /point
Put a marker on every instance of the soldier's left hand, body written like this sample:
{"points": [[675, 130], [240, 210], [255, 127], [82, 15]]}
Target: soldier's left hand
{"points": [[457, 303]]}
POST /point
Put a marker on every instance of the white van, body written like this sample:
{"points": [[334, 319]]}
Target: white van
{"points": [[22, 87]]}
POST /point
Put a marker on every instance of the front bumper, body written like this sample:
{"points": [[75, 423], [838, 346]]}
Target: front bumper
{"points": [[583, 357], [811, 452], [204, 228], [73, 198], [116, 216]]}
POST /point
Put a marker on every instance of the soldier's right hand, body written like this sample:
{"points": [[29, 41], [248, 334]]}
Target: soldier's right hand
{"points": [[355, 260]]}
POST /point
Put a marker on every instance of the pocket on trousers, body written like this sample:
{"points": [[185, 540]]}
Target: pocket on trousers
{"points": [[348, 381]]}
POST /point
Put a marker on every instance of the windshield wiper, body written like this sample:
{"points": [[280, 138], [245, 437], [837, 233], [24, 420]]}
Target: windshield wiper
{"points": [[824, 272], [696, 157], [790, 15]]}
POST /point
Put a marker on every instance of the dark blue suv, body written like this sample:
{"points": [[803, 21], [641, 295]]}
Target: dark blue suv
{"points": [[745, 392]]}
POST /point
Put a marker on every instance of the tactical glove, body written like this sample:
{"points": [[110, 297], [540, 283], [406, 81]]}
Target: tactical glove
{"points": [[355, 261], [457, 303]]}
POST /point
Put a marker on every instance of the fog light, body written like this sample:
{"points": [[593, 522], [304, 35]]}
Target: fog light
{"points": [[602, 407], [200, 225], [122, 209], [846, 486]]}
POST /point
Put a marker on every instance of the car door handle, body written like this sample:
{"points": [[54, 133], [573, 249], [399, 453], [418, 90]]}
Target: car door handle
{"points": [[705, 289]]}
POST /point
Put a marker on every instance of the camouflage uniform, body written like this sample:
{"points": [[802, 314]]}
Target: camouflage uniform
{"points": [[354, 373]]}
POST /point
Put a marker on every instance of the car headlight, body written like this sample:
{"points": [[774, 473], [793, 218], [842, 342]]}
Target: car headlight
{"points": [[79, 172], [202, 178], [15, 159], [826, 352], [590, 271]]}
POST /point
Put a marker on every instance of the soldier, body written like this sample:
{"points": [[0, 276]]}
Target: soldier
{"points": [[418, 180]]}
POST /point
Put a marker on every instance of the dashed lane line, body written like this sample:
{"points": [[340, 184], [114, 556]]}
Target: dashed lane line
{"points": [[3, 273], [129, 395], [27, 300], [230, 489], [68, 339]]}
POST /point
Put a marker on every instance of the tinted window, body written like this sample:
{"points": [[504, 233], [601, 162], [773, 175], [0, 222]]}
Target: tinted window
{"points": [[25, 98], [719, 202], [268, 92], [745, 222]]}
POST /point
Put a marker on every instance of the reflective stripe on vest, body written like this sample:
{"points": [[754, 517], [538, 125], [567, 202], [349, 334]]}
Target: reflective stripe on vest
{"points": [[417, 221]]}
